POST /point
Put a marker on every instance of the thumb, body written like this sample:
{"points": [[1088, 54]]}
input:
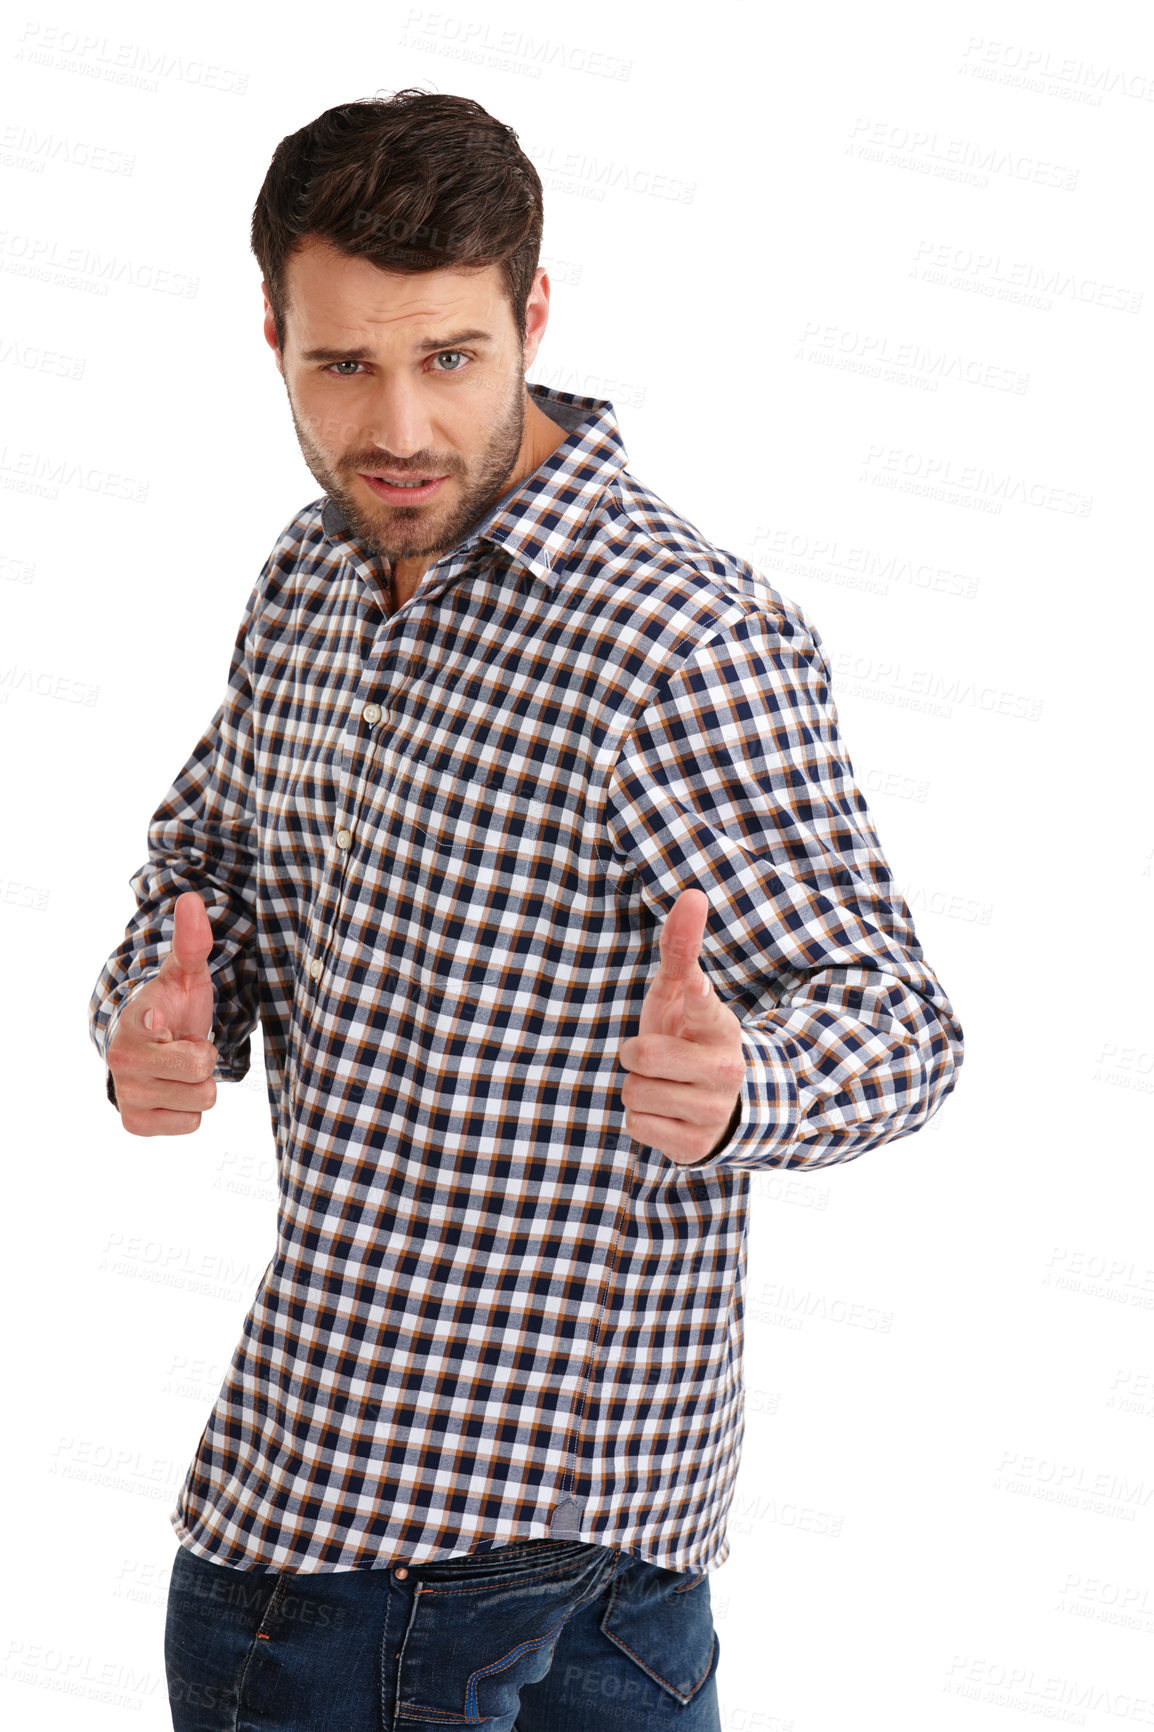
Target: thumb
{"points": [[183, 999], [191, 935]]}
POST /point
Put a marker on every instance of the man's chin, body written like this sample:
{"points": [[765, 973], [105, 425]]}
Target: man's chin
{"points": [[386, 525], [383, 541]]}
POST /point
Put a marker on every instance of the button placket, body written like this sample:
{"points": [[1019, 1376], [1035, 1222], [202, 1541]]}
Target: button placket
{"points": [[370, 714], [343, 838]]}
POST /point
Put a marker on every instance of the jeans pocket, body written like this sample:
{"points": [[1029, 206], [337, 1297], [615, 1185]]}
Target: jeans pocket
{"points": [[662, 1619], [520, 1558], [482, 1625]]}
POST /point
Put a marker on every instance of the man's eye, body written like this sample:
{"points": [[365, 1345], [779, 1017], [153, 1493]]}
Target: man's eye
{"points": [[440, 356]]}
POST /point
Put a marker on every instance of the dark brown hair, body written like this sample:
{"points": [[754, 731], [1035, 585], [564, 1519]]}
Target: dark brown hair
{"points": [[413, 182]]}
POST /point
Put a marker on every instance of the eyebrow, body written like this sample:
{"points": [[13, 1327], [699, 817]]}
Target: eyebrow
{"points": [[427, 346]]}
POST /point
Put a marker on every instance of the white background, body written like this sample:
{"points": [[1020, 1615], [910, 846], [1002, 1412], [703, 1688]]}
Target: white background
{"points": [[870, 291]]}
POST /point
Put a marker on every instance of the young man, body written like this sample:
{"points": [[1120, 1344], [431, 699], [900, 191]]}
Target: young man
{"points": [[526, 831]]}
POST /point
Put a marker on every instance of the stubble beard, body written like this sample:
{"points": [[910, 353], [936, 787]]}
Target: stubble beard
{"points": [[415, 532]]}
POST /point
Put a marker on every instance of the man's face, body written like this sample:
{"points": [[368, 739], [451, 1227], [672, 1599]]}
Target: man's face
{"points": [[376, 386]]}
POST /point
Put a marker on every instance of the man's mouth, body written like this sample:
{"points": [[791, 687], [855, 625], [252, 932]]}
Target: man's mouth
{"points": [[411, 489]]}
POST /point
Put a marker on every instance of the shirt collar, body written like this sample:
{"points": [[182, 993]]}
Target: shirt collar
{"points": [[535, 523]]}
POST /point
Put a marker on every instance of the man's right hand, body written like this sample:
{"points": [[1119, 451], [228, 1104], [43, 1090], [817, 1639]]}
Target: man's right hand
{"points": [[161, 1058]]}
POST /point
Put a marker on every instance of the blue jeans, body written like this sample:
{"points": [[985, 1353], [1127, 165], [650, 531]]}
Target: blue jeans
{"points": [[538, 1636]]}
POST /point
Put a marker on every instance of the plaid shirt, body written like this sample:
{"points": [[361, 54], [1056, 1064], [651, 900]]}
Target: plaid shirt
{"points": [[437, 849]]}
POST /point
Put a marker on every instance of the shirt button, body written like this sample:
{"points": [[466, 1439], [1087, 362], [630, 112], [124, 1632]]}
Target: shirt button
{"points": [[401, 1574], [371, 714], [315, 969], [343, 838]]}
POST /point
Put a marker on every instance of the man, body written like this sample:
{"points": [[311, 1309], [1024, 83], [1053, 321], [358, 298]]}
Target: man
{"points": [[526, 832]]}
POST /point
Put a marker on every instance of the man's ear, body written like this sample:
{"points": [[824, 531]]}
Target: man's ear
{"points": [[536, 315], [270, 329]]}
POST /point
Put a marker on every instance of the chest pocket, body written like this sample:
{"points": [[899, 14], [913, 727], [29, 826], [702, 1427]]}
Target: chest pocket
{"points": [[463, 825]]}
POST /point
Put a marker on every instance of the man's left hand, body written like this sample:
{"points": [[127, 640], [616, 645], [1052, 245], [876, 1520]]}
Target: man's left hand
{"points": [[687, 1062]]}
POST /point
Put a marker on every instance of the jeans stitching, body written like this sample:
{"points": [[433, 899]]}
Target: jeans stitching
{"points": [[448, 1716], [637, 1660], [489, 1582], [262, 1635], [499, 1666]]}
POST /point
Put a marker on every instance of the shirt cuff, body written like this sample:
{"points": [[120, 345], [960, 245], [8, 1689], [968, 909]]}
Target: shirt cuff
{"points": [[768, 1109]]}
